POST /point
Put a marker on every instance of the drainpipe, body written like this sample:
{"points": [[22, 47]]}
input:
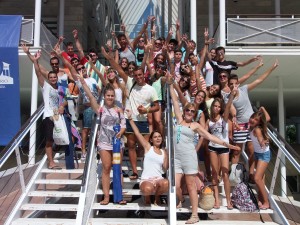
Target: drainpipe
{"points": [[61, 19], [211, 17], [34, 84]]}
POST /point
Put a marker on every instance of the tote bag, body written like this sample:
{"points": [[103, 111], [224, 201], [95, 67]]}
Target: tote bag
{"points": [[60, 132]]}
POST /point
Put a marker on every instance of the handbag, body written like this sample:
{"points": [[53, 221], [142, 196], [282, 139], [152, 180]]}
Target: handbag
{"points": [[206, 199], [237, 174], [60, 131]]}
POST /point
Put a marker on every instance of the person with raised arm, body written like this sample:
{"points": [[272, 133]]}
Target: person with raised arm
{"points": [[155, 164], [186, 160], [110, 114], [244, 110]]}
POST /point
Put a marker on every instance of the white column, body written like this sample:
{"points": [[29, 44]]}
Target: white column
{"points": [[61, 18], [34, 85], [281, 123], [193, 5], [222, 22], [211, 17]]}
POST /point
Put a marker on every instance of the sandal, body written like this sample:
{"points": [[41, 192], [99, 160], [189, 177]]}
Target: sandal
{"points": [[122, 202], [105, 201], [193, 219], [180, 203], [134, 176]]}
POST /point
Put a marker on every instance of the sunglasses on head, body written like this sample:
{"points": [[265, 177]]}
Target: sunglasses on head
{"points": [[81, 68], [190, 110]]}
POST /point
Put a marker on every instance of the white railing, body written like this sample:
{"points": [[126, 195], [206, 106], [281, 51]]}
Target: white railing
{"points": [[263, 31]]}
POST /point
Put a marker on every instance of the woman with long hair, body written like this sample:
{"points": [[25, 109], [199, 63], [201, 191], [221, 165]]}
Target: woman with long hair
{"points": [[186, 161], [155, 164], [110, 114]]}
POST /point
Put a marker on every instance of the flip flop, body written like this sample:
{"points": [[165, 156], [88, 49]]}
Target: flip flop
{"points": [[263, 208], [55, 167], [104, 202]]}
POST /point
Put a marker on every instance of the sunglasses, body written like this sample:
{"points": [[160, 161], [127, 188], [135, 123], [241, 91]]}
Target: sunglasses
{"points": [[142, 40], [222, 76], [54, 64], [190, 110], [81, 68], [183, 68]]}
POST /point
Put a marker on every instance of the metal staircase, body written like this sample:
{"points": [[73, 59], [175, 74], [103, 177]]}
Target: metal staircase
{"points": [[66, 197]]}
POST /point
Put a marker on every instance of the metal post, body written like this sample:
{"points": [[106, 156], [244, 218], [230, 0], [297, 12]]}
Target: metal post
{"points": [[281, 121], [211, 17], [222, 22], [163, 18], [171, 172], [193, 9], [21, 174], [61, 18], [169, 14], [34, 85]]}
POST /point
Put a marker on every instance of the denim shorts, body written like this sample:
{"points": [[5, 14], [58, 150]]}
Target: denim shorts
{"points": [[143, 126], [266, 156], [88, 115]]}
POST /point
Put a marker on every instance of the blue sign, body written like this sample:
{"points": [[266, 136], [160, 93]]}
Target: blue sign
{"points": [[10, 29]]}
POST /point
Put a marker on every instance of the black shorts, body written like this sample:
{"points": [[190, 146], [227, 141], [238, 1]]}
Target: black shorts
{"points": [[48, 126], [219, 151]]}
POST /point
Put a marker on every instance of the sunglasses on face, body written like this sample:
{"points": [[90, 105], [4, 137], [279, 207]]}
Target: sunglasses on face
{"points": [[54, 64], [81, 68], [183, 68], [142, 40], [222, 76], [190, 110]]}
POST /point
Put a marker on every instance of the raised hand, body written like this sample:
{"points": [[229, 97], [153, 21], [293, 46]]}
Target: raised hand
{"points": [[37, 55], [177, 24], [128, 113], [113, 34], [75, 33], [171, 31], [206, 34], [275, 64], [61, 39], [25, 48], [123, 27]]}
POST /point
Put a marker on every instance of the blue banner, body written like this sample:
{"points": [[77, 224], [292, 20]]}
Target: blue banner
{"points": [[10, 29]]}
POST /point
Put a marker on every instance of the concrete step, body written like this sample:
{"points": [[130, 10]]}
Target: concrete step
{"points": [[43, 221], [50, 207], [58, 181], [74, 171], [62, 194]]}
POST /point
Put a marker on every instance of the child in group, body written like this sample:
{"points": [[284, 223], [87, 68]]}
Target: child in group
{"points": [[262, 155]]}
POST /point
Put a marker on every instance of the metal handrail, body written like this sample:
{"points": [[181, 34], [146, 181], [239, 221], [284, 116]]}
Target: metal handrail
{"points": [[262, 15], [16, 140]]}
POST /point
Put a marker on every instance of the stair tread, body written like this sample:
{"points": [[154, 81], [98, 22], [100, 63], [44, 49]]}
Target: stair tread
{"points": [[140, 206], [50, 207], [58, 181], [43, 221], [80, 171], [54, 194]]}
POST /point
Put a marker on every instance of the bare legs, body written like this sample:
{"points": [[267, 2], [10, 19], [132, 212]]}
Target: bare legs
{"points": [[49, 153], [158, 187], [84, 135], [261, 167], [106, 157]]}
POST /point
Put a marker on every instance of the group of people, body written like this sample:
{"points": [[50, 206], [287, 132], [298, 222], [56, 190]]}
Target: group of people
{"points": [[212, 109]]}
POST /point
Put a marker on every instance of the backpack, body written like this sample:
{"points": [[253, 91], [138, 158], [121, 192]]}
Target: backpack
{"points": [[238, 174], [243, 198]]}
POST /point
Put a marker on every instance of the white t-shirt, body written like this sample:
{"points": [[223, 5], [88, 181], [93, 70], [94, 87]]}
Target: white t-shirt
{"points": [[140, 95], [51, 100], [209, 74]]}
